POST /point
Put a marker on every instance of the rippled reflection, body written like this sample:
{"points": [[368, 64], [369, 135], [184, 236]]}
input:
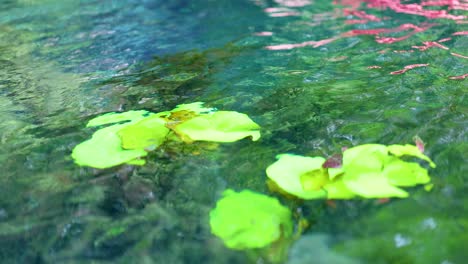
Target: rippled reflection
{"points": [[315, 75]]}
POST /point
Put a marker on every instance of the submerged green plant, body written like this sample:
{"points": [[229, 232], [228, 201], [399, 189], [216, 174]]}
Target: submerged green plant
{"points": [[369, 171], [246, 220], [132, 134]]}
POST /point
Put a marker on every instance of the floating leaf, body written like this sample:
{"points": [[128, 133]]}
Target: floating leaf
{"points": [[286, 172], [137, 162], [410, 150], [402, 173], [104, 150], [148, 132], [334, 172], [143, 131], [337, 189], [369, 171], [367, 157], [372, 185], [221, 126], [314, 180], [247, 219], [111, 118]]}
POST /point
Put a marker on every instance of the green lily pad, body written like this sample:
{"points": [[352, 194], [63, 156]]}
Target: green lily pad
{"points": [[402, 173], [367, 157], [314, 180], [113, 117], [338, 190], [136, 162], [372, 185], [221, 126], [142, 131], [286, 172], [335, 172], [410, 150], [147, 133], [368, 171], [246, 219], [104, 150]]}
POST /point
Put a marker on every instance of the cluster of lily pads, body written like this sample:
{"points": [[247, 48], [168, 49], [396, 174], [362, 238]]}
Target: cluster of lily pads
{"points": [[245, 219], [130, 135], [251, 220], [368, 171]]}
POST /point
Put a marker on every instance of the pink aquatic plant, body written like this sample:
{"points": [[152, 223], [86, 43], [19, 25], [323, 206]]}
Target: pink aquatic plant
{"points": [[460, 77], [353, 11], [293, 3], [430, 44], [409, 67]]}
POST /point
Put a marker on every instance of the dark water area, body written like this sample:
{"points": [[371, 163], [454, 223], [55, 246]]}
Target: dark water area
{"points": [[315, 75]]}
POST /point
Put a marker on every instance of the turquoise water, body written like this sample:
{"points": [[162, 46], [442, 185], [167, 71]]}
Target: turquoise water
{"points": [[65, 62]]}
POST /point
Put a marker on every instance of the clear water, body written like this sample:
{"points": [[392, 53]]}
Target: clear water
{"points": [[64, 62]]}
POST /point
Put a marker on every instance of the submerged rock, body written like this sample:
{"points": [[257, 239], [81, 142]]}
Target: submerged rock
{"points": [[138, 192], [315, 248]]}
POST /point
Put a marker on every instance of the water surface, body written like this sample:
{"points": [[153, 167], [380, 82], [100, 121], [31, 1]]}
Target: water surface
{"points": [[316, 76]]}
